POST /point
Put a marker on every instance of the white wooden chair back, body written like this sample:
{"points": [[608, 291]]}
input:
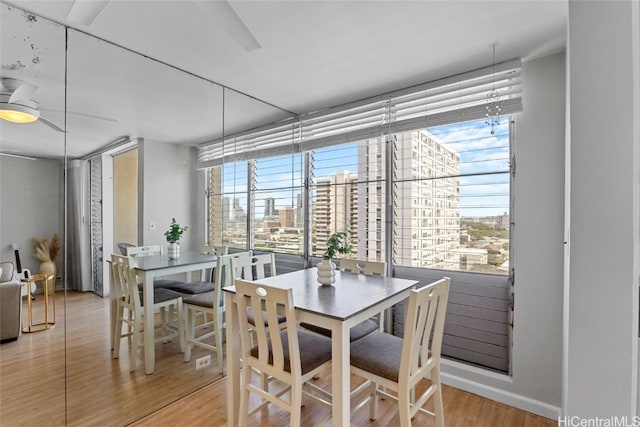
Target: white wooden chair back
{"points": [[369, 268], [222, 275], [125, 285], [424, 327], [135, 251], [273, 302], [215, 250], [255, 267]]}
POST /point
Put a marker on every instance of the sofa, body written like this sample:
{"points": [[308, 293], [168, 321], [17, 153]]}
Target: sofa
{"points": [[10, 302]]}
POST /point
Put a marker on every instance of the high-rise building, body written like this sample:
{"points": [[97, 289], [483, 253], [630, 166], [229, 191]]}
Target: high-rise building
{"points": [[336, 199], [270, 207], [426, 205], [287, 217], [426, 210]]}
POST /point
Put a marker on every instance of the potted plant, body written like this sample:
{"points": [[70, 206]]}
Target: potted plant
{"points": [[338, 243], [173, 235]]}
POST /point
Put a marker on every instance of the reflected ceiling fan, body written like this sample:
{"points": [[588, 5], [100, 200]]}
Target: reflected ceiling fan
{"points": [[220, 12], [17, 106]]}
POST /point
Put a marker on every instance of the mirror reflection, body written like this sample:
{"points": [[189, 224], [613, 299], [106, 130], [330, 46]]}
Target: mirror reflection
{"points": [[32, 365], [123, 128]]}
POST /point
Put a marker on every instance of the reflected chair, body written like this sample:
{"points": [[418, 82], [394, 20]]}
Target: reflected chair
{"points": [[399, 364], [140, 251], [129, 310], [370, 268], [255, 267], [211, 304], [148, 250], [292, 356], [207, 276]]}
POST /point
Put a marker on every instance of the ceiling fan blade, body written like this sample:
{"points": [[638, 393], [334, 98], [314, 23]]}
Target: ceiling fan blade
{"points": [[51, 125], [226, 18], [22, 92], [91, 116], [86, 11], [19, 156]]}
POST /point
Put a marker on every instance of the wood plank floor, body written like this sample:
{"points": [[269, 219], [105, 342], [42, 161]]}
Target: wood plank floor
{"points": [[101, 391], [461, 409]]}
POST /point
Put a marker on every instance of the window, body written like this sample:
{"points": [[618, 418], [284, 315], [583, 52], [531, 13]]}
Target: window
{"points": [[347, 194], [462, 177], [417, 177], [228, 205], [278, 215]]}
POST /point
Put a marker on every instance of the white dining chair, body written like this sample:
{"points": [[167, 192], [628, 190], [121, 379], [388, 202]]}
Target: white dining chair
{"points": [[207, 279], [129, 310], [148, 250], [292, 356], [399, 364], [211, 305]]}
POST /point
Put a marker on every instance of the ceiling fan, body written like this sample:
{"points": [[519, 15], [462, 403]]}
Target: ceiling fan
{"points": [[220, 12], [17, 106]]}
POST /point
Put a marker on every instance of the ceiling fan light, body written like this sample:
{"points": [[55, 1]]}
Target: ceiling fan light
{"points": [[17, 113]]}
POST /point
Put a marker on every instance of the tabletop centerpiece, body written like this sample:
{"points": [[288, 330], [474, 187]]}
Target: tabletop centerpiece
{"points": [[337, 244], [173, 235]]}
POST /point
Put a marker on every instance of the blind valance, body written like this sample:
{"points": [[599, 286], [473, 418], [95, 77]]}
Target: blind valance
{"points": [[454, 99]]}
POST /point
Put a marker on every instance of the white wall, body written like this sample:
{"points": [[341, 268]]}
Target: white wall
{"points": [[602, 328], [31, 206], [168, 179], [538, 251]]}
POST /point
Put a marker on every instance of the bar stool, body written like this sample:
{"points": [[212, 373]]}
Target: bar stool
{"points": [[47, 281]]}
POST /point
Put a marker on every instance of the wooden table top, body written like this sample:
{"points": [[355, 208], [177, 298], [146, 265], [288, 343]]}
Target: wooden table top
{"points": [[155, 262], [351, 293]]}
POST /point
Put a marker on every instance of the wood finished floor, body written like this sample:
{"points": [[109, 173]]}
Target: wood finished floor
{"points": [[461, 409], [100, 391]]}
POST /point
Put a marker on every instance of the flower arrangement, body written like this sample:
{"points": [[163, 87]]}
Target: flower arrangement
{"points": [[174, 232], [46, 251], [337, 244]]}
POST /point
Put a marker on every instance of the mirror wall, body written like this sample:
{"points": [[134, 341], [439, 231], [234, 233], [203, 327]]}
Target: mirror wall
{"points": [[100, 99]]}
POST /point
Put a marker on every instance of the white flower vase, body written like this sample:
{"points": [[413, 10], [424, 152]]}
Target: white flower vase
{"points": [[173, 250], [326, 272]]}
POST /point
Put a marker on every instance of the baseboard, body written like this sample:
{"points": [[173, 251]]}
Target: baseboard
{"points": [[503, 396]]}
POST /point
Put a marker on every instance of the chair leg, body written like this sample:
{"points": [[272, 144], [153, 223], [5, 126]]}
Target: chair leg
{"points": [[373, 403], [135, 342], [404, 406], [190, 333], [180, 323], [117, 333], [296, 403], [437, 398], [218, 338], [244, 396]]}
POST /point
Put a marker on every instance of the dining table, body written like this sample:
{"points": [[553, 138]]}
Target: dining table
{"points": [[351, 299], [152, 266]]}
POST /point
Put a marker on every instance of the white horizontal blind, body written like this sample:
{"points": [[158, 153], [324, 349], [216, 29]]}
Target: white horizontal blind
{"points": [[454, 99], [458, 102], [278, 139]]}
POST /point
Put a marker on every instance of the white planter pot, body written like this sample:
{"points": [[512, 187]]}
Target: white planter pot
{"points": [[326, 272], [173, 250]]}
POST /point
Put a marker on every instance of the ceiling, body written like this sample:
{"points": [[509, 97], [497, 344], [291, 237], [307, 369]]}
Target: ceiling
{"points": [[313, 55]]}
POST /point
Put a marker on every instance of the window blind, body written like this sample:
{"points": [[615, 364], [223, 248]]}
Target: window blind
{"points": [[454, 99]]}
